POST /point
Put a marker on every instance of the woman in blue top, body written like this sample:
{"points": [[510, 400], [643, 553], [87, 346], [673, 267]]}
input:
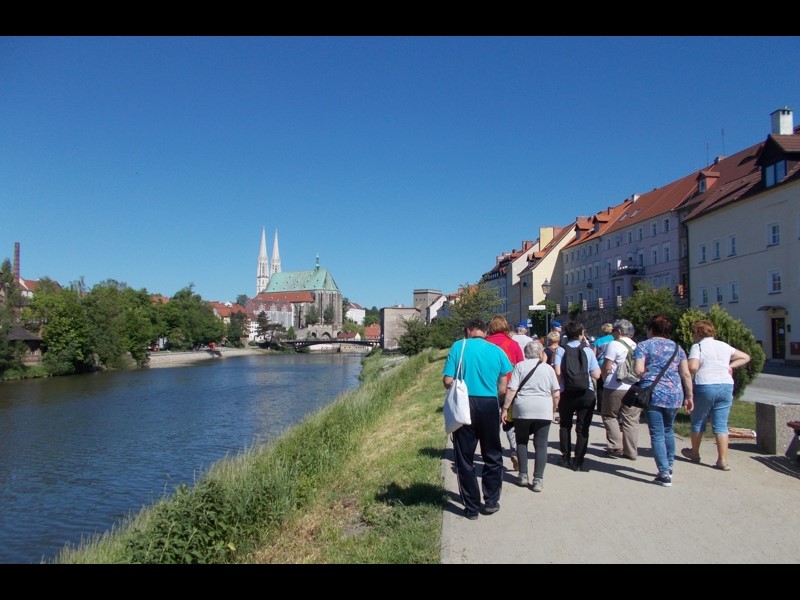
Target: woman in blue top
{"points": [[673, 391]]}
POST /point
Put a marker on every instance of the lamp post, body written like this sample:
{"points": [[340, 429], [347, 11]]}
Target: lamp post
{"points": [[546, 292]]}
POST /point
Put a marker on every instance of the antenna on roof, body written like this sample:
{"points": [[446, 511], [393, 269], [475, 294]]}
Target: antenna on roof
{"points": [[706, 152], [723, 141]]}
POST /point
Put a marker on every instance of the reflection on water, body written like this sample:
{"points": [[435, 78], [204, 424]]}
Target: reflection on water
{"points": [[78, 454]]}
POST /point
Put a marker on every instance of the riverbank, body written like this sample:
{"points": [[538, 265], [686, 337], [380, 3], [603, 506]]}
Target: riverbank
{"points": [[181, 359]]}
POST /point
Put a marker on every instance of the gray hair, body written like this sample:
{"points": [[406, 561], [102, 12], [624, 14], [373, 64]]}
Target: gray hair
{"points": [[534, 349], [624, 326]]}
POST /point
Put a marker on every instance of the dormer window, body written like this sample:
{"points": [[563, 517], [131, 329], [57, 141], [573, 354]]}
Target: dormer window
{"points": [[774, 173], [702, 186]]}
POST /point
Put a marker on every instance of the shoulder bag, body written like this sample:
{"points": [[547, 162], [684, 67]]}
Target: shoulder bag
{"points": [[639, 397], [509, 414], [456, 400]]}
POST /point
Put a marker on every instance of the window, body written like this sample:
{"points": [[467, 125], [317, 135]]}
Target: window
{"points": [[774, 286], [684, 248], [640, 233], [716, 250], [641, 259], [701, 185], [666, 225], [608, 244], [774, 173], [617, 240], [734, 291], [597, 271], [654, 256], [719, 294], [773, 234], [732, 245], [665, 252], [703, 297], [630, 236], [702, 253], [653, 229]]}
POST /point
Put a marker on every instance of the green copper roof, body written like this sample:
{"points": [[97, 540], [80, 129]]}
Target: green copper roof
{"points": [[300, 281]]}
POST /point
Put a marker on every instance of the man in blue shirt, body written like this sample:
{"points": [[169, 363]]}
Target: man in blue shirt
{"points": [[484, 367]]}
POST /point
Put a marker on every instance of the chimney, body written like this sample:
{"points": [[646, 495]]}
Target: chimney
{"points": [[16, 263], [782, 123]]}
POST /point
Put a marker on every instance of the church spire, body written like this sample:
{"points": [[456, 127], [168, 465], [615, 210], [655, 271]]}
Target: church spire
{"points": [[276, 257], [262, 274]]}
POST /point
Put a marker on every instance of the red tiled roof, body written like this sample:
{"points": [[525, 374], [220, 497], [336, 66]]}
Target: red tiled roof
{"points": [[373, 331], [288, 297]]}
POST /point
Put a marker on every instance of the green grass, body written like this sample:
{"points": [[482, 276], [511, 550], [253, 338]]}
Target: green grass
{"points": [[743, 414], [357, 482]]}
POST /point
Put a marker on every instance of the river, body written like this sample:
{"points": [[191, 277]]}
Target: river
{"points": [[79, 454]]}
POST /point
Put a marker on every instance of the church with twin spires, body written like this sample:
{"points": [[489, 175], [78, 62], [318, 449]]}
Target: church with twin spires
{"points": [[286, 297]]}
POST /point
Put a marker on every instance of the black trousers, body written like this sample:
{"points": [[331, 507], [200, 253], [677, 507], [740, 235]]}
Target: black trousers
{"points": [[581, 406], [485, 429]]}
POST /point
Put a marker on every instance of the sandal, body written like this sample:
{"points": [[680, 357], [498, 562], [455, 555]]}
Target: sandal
{"points": [[722, 466], [687, 453]]}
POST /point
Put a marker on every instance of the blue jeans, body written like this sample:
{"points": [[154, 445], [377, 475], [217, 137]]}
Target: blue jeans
{"points": [[662, 436], [714, 401]]}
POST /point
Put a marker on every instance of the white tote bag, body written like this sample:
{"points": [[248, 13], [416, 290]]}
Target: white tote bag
{"points": [[456, 400]]}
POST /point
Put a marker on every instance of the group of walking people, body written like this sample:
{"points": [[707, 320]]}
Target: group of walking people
{"points": [[561, 382]]}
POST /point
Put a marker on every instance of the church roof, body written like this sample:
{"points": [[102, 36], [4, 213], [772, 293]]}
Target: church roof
{"points": [[318, 279]]}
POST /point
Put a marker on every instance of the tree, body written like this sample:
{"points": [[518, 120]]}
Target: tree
{"points": [[477, 301], [237, 330], [327, 315], [646, 303], [312, 317], [263, 325], [371, 316], [731, 331], [242, 299], [415, 338]]}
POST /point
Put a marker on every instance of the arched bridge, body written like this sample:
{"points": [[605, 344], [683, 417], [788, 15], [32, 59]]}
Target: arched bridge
{"points": [[299, 344]]}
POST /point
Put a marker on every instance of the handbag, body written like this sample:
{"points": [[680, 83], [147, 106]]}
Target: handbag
{"points": [[639, 397], [456, 400], [509, 417]]}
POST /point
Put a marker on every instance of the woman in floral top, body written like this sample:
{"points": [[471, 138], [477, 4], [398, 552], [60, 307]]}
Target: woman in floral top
{"points": [[673, 391]]}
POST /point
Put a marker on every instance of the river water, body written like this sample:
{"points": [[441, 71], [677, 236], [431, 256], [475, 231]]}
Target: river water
{"points": [[79, 454]]}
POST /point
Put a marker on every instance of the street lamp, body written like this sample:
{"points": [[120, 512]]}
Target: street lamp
{"points": [[546, 292]]}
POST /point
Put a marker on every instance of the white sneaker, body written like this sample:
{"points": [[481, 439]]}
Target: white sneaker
{"points": [[523, 480], [538, 485]]}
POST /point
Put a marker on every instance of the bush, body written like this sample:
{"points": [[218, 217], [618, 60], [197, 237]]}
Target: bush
{"points": [[731, 331]]}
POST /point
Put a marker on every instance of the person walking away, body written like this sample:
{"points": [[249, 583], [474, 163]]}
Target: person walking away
{"points": [[673, 391], [486, 368], [535, 398], [521, 337], [599, 351], [577, 368], [711, 362], [553, 341], [499, 333], [621, 422]]}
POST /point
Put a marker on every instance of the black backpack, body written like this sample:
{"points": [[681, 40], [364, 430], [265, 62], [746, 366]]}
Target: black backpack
{"points": [[575, 369], [551, 356]]}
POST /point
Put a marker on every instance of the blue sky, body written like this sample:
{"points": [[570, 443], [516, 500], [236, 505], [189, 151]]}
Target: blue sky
{"points": [[403, 162]]}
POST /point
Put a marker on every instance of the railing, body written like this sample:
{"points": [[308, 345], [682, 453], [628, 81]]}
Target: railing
{"points": [[628, 267]]}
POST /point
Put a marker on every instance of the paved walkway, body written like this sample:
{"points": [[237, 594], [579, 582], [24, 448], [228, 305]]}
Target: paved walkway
{"points": [[615, 514]]}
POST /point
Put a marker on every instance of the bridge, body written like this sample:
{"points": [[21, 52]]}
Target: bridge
{"points": [[300, 344]]}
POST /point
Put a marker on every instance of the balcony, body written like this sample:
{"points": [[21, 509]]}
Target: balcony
{"points": [[627, 267]]}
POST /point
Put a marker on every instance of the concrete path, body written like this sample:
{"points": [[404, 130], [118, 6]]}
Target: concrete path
{"points": [[615, 514]]}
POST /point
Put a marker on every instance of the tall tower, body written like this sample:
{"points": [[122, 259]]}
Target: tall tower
{"points": [[276, 257], [262, 274]]}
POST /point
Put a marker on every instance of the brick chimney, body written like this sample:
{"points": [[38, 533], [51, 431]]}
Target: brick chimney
{"points": [[16, 263]]}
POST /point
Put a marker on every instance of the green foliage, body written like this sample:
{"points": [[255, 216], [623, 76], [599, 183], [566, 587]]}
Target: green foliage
{"points": [[291, 334], [646, 303], [733, 332], [415, 337], [371, 316], [187, 321], [312, 315], [540, 319], [574, 309], [237, 333], [477, 301], [242, 299], [327, 314]]}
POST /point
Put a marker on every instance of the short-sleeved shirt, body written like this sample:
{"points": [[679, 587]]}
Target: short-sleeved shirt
{"points": [[523, 340], [482, 366], [592, 364], [715, 361], [617, 352], [509, 346], [535, 399], [656, 352], [600, 345]]}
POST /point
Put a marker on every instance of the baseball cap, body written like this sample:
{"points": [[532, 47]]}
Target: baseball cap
{"points": [[556, 324]]}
